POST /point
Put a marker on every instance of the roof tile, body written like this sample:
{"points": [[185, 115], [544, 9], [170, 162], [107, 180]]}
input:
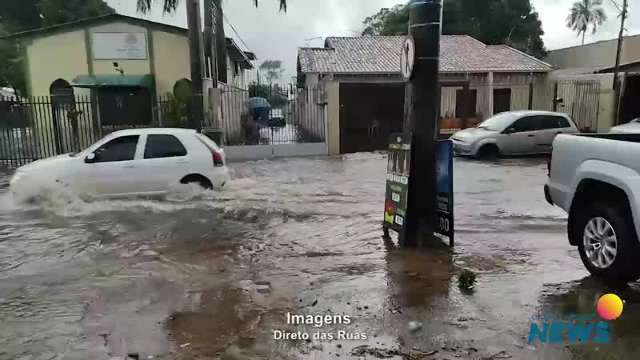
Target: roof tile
{"points": [[381, 54]]}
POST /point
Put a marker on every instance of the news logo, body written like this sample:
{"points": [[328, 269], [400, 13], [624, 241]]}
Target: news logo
{"points": [[578, 329], [610, 307]]}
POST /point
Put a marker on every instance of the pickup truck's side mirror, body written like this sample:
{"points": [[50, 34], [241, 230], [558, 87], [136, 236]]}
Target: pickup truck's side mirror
{"points": [[90, 159]]}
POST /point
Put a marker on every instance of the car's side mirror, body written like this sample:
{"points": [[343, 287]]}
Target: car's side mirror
{"points": [[510, 130], [90, 159]]}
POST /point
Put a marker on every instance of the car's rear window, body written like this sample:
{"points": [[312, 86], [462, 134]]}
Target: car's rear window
{"points": [[163, 146], [207, 141]]}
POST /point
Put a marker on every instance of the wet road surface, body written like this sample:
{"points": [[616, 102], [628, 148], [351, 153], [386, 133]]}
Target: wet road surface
{"points": [[211, 276]]}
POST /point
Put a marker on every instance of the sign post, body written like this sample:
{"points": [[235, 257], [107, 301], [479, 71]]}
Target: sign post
{"points": [[397, 192], [421, 117]]}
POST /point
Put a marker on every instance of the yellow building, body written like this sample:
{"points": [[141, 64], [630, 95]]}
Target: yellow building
{"points": [[114, 55], [89, 77]]}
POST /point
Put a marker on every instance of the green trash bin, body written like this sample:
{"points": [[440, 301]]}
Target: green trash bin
{"points": [[216, 135]]}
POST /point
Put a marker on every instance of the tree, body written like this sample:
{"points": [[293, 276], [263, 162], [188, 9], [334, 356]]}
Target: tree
{"points": [[394, 21], [19, 15], [586, 13], [272, 70], [493, 22], [62, 11], [11, 74]]}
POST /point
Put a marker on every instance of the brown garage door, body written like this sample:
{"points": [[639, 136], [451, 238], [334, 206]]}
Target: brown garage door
{"points": [[369, 113]]}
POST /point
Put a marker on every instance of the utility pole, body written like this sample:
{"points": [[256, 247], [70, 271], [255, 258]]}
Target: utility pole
{"points": [[422, 102], [220, 42], [616, 83], [209, 41], [197, 61]]}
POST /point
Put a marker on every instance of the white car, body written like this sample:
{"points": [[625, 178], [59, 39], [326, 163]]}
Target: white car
{"points": [[130, 162], [513, 133], [596, 180], [632, 127]]}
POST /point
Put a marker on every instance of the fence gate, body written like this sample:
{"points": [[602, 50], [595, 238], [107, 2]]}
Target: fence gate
{"points": [[273, 116], [581, 100]]}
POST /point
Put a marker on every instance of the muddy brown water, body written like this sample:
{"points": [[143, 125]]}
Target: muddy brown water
{"points": [[207, 276]]}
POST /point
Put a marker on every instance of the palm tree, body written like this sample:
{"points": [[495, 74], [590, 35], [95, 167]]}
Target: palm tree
{"points": [[171, 5], [586, 13]]}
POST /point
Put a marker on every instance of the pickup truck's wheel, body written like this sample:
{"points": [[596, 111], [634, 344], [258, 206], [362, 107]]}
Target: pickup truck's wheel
{"points": [[607, 242]]}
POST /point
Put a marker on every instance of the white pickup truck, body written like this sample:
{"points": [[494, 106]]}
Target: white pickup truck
{"points": [[596, 180]]}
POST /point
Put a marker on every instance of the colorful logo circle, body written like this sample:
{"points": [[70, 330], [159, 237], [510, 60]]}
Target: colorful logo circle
{"points": [[610, 307]]}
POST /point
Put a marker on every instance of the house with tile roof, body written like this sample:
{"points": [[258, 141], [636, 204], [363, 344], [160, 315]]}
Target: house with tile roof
{"points": [[363, 74]]}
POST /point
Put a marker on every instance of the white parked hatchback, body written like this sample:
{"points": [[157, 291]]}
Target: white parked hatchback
{"points": [[513, 133], [130, 162]]}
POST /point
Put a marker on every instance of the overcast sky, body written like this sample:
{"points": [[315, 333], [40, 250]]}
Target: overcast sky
{"points": [[275, 35]]}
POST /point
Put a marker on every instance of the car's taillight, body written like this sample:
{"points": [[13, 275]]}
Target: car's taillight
{"points": [[549, 166], [217, 158]]}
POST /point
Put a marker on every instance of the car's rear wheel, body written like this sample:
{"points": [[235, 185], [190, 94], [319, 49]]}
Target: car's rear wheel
{"points": [[607, 242], [199, 180]]}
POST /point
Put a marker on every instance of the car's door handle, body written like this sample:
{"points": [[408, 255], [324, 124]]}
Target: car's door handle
{"points": [[531, 135], [182, 162], [127, 166]]}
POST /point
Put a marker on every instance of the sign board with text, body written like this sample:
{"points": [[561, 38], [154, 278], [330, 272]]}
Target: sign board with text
{"points": [[444, 190], [397, 189], [119, 46]]}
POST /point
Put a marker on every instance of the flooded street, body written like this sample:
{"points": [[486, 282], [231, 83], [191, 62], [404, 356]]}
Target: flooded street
{"points": [[207, 276]]}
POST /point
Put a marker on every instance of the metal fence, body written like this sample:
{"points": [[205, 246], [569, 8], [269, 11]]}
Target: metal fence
{"points": [[273, 115], [580, 100], [42, 126], [39, 127]]}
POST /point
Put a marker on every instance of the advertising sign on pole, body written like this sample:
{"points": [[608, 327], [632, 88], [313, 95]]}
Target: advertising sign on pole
{"points": [[397, 192], [444, 192]]}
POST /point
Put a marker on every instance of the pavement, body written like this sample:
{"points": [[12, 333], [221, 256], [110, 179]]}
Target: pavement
{"points": [[214, 275]]}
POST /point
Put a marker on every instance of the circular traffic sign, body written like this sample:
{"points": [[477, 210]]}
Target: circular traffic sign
{"points": [[408, 58]]}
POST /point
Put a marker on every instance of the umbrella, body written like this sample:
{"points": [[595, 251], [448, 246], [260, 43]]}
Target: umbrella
{"points": [[258, 102]]}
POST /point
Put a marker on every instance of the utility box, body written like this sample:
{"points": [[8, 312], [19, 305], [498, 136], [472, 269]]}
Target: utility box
{"points": [[217, 135]]}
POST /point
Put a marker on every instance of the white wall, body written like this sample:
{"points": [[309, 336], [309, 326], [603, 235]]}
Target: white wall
{"points": [[262, 152]]}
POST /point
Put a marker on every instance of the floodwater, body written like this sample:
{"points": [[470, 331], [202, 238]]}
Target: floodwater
{"points": [[207, 276]]}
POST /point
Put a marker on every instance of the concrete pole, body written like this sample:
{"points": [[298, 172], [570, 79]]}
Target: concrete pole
{"points": [[197, 63], [616, 83], [491, 97], [423, 92]]}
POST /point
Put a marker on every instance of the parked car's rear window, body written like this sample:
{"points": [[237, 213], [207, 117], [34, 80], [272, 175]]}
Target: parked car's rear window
{"points": [[554, 122], [163, 146], [563, 123]]}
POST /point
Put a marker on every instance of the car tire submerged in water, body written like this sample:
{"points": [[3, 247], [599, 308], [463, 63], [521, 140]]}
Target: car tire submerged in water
{"points": [[199, 180], [607, 242], [489, 151]]}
